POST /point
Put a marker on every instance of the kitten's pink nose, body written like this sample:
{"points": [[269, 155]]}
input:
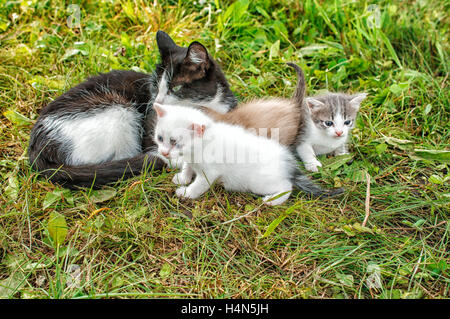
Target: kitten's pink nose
{"points": [[339, 133], [165, 154]]}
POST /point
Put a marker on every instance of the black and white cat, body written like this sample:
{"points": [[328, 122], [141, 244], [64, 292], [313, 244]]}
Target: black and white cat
{"points": [[102, 129]]}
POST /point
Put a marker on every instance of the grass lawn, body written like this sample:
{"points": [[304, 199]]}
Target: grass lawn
{"points": [[386, 237]]}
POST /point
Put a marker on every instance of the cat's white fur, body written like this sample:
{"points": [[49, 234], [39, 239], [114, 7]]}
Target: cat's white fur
{"points": [[316, 141], [106, 135], [205, 146]]}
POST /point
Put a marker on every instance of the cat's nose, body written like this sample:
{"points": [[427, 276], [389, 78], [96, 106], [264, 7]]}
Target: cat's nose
{"points": [[339, 133], [165, 154]]}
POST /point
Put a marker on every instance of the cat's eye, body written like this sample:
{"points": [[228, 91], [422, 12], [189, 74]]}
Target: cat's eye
{"points": [[328, 123], [172, 141], [160, 138], [348, 122], [176, 88]]}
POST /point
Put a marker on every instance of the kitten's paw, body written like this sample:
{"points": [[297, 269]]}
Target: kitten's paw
{"points": [[181, 191], [338, 153], [184, 192], [272, 201], [313, 166], [181, 179]]}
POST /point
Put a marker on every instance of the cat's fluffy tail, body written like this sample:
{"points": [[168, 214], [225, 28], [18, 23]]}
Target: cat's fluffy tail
{"points": [[302, 182], [98, 174], [300, 90]]}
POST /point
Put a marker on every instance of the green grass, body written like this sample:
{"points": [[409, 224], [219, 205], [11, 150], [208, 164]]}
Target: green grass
{"points": [[138, 240]]}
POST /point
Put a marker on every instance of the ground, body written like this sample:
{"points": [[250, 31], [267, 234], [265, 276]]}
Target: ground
{"points": [[136, 239]]}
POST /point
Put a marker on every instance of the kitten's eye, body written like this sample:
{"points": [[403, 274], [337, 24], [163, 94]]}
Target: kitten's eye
{"points": [[173, 141], [348, 122], [328, 123], [176, 88], [160, 138]]}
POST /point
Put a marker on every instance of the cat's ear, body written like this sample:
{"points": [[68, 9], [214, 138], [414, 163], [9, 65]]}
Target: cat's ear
{"points": [[313, 103], [356, 99], [160, 111], [197, 56], [165, 44], [198, 129]]}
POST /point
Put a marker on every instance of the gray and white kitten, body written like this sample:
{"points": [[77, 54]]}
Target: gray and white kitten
{"points": [[327, 125]]}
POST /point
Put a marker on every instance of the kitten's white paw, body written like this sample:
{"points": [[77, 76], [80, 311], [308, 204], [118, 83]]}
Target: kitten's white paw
{"points": [[184, 192], [181, 179], [181, 191], [313, 166], [268, 200], [337, 153]]}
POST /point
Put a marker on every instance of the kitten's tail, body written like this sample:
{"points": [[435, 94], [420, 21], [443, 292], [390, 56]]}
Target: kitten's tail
{"points": [[300, 90], [302, 182], [98, 174]]}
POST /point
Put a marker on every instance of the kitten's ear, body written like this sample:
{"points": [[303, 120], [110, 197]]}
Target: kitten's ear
{"points": [[356, 99], [313, 103], [197, 55], [165, 44], [160, 111], [199, 129]]}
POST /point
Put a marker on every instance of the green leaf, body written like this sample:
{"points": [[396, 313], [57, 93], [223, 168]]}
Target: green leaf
{"points": [[72, 52], [57, 228], [99, 196], [399, 143], [427, 109], [333, 163], [399, 88], [437, 155], [274, 50], [49, 199], [346, 280], [55, 196], [10, 285], [166, 270], [278, 220], [435, 179], [16, 118], [381, 148], [262, 12], [12, 190]]}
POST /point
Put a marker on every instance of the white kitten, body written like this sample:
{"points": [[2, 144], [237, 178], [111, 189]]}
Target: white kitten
{"points": [[240, 160], [327, 128]]}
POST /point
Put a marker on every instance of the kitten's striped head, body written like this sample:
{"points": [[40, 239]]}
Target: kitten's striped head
{"points": [[335, 113]]}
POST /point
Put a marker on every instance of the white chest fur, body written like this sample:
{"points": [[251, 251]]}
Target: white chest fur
{"points": [[321, 142]]}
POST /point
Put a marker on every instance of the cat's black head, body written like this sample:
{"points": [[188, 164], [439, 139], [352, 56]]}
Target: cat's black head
{"points": [[190, 76]]}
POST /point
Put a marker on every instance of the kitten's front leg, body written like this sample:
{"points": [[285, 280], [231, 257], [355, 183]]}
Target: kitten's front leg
{"points": [[199, 186], [306, 153], [185, 176], [341, 150]]}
